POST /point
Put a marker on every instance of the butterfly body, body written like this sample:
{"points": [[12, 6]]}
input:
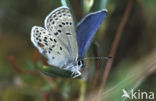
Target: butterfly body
{"points": [[58, 41]]}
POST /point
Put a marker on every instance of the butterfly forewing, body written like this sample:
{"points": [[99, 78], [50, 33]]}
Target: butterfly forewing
{"points": [[60, 23]]}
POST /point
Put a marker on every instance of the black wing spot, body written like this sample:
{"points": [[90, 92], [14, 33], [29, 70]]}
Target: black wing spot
{"points": [[68, 33], [49, 52], [53, 46], [53, 57], [59, 31], [60, 48], [50, 19], [67, 23], [56, 33], [40, 40], [45, 40], [51, 39], [55, 40], [50, 49], [56, 19], [54, 16], [70, 23], [46, 44], [63, 23], [59, 12], [60, 25], [53, 22]]}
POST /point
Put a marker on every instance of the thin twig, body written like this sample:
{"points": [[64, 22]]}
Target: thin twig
{"points": [[115, 44], [16, 67]]}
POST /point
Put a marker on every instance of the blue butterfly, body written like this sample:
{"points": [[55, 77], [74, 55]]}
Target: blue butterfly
{"points": [[64, 44]]}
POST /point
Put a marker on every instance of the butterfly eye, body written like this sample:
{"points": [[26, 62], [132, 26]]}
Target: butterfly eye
{"points": [[79, 63]]}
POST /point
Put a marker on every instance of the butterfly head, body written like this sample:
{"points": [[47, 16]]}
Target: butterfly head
{"points": [[75, 68]]}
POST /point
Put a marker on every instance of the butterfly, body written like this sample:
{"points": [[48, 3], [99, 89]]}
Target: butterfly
{"points": [[62, 42]]}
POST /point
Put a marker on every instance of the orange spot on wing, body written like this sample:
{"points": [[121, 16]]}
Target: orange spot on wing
{"points": [[41, 45]]}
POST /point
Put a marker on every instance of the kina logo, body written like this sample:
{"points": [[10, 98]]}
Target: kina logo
{"points": [[138, 94]]}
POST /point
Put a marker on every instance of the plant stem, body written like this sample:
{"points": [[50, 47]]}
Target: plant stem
{"points": [[66, 3], [115, 44]]}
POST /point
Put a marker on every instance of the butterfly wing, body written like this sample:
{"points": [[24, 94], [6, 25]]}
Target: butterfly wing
{"points": [[50, 46], [87, 28], [60, 22]]}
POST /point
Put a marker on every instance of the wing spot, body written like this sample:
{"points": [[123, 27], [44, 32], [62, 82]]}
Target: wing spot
{"points": [[54, 16], [53, 57], [58, 12], [55, 40], [45, 40], [41, 45], [51, 28], [60, 48], [51, 39], [70, 23], [53, 22], [60, 25], [68, 33], [50, 19], [53, 46], [63, 23], [49, 52], [56, 33], [59, 31], [67, 23], [50, 49], [46, 44]]}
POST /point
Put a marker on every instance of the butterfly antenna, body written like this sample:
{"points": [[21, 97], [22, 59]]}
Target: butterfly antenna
{"points": [[87, 58]]}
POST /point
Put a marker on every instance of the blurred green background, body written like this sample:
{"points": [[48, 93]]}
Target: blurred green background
{"points": [[134, 65]]}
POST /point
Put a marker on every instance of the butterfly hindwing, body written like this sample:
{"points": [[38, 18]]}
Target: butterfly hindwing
{"points": [[50, 46], [87, 28]]}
